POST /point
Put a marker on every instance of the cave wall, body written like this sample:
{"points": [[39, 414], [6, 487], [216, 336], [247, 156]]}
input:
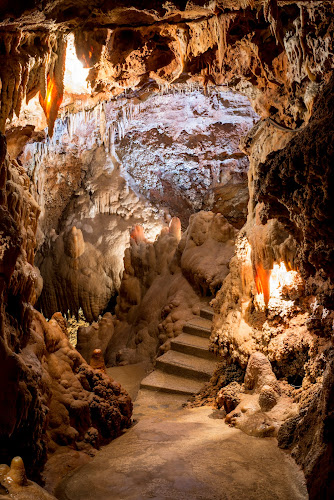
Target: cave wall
{"points": [[51, 397], [182, 151], [289, 220]]}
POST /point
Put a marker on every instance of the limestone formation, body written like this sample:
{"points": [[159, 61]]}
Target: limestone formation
{"points": [[97, 360], [16, 485], [97, 335], [284, 314], [134, 168], [158, 289], [260, 407], [52, 397], [207, 248], [274, 310]]}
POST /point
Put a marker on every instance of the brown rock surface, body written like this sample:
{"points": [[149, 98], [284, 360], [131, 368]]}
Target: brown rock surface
{"points": [[16, 485], [51, 395]]}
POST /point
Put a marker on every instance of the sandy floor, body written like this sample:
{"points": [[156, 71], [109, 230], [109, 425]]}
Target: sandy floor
{"points": [[173, 453]]}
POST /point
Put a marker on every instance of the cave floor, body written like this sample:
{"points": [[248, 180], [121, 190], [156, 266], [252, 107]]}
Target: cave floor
{"points": [[177, 453]]}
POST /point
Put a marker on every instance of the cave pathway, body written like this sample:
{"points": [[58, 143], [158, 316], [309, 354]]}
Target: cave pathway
{"points": [[179, 453]]}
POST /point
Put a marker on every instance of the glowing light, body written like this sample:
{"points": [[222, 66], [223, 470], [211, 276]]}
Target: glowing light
{"points": [[75, 79], [270, 285], [51, 103], [48, 97], [262, 282], [279, 278]]}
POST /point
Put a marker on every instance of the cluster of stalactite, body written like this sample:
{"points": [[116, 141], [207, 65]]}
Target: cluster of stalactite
{"points": [[31, 62], [276, 53]]}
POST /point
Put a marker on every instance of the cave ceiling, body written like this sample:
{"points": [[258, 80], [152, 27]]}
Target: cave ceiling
{"points": [[278, 53]]}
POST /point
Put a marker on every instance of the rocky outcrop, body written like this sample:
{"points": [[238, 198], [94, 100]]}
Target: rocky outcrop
{"points": [[14, 483], [206, 250], [311, 438], [260, 406]]}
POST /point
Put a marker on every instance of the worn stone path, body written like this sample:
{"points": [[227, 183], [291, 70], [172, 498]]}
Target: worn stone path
{"points": [[176, 453], [189, 363]]}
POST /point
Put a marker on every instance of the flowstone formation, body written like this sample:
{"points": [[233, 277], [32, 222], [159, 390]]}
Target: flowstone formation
{"points": [[278, 297], [52, 397], [261, 404], [163, 285], [14, 483]]}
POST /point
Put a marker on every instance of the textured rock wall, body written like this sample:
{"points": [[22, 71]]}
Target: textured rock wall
{"points": [[51, 396], [280, 54], [289, 222], [182, 151]]}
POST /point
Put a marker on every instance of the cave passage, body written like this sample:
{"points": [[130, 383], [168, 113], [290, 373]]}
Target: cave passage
{"points": [[166, 250]]}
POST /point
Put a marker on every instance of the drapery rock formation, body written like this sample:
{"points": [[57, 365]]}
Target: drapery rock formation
{"points": [[277, 298]]}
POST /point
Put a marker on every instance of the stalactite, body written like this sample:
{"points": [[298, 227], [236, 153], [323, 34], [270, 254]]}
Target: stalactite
{"points": [[222, 26], [244, 4], [271, 15], [262, 282], [55, 87], [43, 79], [25, 64]]}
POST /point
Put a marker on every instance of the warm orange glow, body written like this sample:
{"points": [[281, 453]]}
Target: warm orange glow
{"points": [[51, 103], [262, 283], [281, 277], [270, 284], [137, 233], [49, 95]]}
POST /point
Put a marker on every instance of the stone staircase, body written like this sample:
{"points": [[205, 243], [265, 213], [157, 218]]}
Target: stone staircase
{"points": [[189, 363]]}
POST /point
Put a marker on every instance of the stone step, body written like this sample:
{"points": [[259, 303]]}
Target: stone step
{"points": [[185, 365], [193, 345], [165, 382], [207, 313], [198, 326]]}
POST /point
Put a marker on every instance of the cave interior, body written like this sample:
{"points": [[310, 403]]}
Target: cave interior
{"points": [[166, 249]]}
